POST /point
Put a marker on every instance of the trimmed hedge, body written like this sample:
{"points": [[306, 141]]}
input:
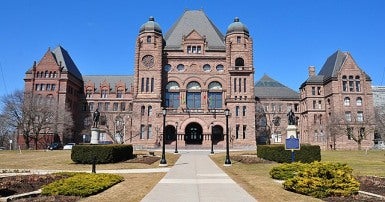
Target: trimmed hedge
{"points": [[101, 154], [277, 153], [81, 184], [286, 170]]}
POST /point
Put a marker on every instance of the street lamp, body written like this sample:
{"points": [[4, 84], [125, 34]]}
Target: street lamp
{"points": [[212, 141], [163, 161], [227, 161], [176, 138]]}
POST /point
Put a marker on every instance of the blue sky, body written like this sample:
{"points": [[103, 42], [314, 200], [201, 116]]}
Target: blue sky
{"points": [[289, 35]]}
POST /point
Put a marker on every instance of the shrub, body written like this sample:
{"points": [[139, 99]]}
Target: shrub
{"points": [[81, 184], [286, 170], [323, 180], [277, 153], [87, 154]]}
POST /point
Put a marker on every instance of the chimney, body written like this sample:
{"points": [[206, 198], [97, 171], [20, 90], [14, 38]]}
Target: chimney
{"points": [[311, 71]]}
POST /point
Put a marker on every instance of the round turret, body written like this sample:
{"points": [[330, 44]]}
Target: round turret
{"points": [[237, 27], [150, 26]]}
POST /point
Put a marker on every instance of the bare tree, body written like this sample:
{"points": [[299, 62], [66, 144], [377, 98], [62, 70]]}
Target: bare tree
{"points": [[356, 127], [36, 117], [261, 127]]}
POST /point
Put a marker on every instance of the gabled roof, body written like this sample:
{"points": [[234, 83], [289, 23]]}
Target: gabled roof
{"points": [[63, 58], [111, 79], [333, 64], [267, 87], [198, 21]]}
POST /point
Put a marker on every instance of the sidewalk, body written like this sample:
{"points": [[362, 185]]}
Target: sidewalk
{"points": [[195, 177]]}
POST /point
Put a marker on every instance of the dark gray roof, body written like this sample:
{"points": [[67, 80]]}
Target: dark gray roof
{"points": [[237, 27], [62, 57], [333, 65], [269, 88], [198, 21], [111, 79], [150, 26]]}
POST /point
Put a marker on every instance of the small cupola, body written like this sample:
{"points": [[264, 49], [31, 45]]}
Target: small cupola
{"points": [[150, 26], [237, 27]]}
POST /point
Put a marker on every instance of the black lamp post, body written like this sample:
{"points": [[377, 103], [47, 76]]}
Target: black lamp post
{"points": [[212, 140], [227, 161], [163, 161], [176, 138]]}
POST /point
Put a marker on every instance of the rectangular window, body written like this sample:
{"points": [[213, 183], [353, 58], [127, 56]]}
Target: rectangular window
{"points": [[152, 84], [194, 49], [149, 132], [319, 90], [172, 100], [142, 131], [240, 84], [362, 133], [358, 86], [360, 116], [119, 94], [193, 100], [238, 39], [106, 106], [236, 131], [349, 131], [91, 104], [123, 106], [348, 116], [235, 84], [115, 106], [148, 39], [215, 100], [314, 104], [48, 88], [142, 86], [147, 84], [237, 111], [244, 85], [53, 87], [312, 90], [319, 104], [199, 49], [351, 87], [104, 94], [188, 49], [100, 105], [37, 87], [244, 132], [244, 111]]}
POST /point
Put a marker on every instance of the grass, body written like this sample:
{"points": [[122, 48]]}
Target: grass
{"points": [[255, 179], [61, 160], [371, 162]]}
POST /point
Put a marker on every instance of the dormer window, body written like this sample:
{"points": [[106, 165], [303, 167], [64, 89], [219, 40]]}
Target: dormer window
{"points": [[194, 49]]}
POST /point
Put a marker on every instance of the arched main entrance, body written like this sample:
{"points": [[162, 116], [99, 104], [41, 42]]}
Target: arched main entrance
{"points": [[193, 134]]}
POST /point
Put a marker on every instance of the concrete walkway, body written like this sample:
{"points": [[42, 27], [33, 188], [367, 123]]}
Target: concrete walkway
{"points": [[195, 177]]}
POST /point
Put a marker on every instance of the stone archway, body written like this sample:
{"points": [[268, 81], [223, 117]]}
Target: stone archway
{"points": [[193, 133], [217, 134]]}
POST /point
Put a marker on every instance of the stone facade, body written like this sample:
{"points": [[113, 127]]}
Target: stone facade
{"points": [[185, 79], [337, 105]]}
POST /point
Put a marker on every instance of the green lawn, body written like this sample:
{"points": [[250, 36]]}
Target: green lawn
{"points": [[369, 162]]}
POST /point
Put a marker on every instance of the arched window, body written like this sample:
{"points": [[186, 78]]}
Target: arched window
{"points": [[359, 101], [358, 84], [344, 84], [46, 74], [193, 95], [346, 101], [142, 110], [149, 111], [172, 95], [239, 62], [215, 95]]}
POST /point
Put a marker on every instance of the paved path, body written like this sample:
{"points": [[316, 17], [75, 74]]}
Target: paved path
{"points": [[195, 177]]}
